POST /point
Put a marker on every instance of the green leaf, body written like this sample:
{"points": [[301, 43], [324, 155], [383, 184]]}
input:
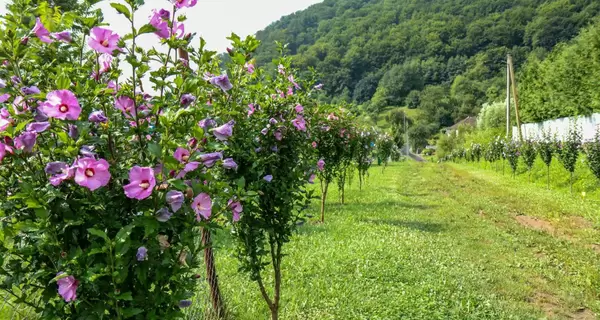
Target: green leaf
{"points": [[241, 182], [125, 296], [63, 82], [150, 226], [99, 233], [58, 277], [63, 137], [122, 239], [41, 213], [122, 9], [21, 125], [130, 312], [178, 184], [33, 204], [147, 28], [155, 149]]}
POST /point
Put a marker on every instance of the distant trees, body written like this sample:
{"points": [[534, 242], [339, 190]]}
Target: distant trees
{"points": [[444, 57], [566, 82]]}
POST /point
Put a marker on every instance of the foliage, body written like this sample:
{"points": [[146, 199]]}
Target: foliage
{"points": [[529, 153], [384, 51], [365, 144], [385, 148], [492, 115], [332, 135], [106, 196], [564, 83], [476, 151], [546, 148], [568, 150], [512, 154], [592, 150], [496, 148], [113, 193]]}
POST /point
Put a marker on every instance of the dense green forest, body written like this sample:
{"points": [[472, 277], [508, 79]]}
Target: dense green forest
{"points": [[566, 82], [445, 57]]}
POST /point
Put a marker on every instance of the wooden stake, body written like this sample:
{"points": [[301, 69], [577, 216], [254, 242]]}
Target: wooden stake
{"points": [[514, 90], [507, 99]]}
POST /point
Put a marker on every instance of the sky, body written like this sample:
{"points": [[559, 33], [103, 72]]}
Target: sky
{"points": [[214, 20]]}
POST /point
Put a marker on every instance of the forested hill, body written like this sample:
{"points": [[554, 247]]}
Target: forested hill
{"points": [[444, 56]]}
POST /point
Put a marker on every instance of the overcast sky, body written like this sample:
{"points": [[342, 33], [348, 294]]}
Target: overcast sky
{"points": [[214, 20]]}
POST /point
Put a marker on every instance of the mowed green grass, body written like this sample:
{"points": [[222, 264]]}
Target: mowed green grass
{"points": [[431, 241]]}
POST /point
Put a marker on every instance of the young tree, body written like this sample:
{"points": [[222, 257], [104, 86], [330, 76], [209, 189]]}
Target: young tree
{"points": [[529, 154], [592, 150], [331, 141], [385, 146], [546, 148], [275, 162], [512, 154], [364, 159], [476, 152], [568, 152], [346, 168]]}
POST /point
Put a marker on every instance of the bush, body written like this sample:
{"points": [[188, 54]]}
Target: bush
{"points": [[568, 151], [492, 115], [529, 154], [546, 148], [592, 150]]}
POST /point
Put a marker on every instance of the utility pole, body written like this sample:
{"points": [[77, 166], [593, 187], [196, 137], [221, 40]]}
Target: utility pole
{"points": [[516, 96], [406, 136], [508, 129]]}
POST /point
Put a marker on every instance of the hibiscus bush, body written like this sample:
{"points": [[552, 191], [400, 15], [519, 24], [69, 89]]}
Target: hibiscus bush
{"points": [[476, 152], [546, 147], [568, 152], [107, 186], [512, 153], [592, 151], [274, 152], [365, 145], [331, 141], [529, 154], [385, 148]]}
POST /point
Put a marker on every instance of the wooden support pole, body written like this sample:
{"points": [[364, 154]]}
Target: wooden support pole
{"points": [[515, 95], [508, 128]]}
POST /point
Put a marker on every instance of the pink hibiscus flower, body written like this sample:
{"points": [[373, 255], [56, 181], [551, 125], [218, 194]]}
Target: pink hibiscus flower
{"points": [[91, 173], [67, 288], [103, 40], [202, 205], [141, 183], [61, 104]]}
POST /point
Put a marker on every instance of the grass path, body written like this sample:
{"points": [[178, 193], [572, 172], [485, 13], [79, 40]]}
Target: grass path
{"points": [[434, 241], [429, 241]]}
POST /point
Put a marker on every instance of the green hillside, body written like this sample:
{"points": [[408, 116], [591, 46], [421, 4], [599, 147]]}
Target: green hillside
{"points": [[445, 57]]}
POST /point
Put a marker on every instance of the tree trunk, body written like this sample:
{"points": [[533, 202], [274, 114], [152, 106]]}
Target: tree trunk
{"points": [[323, 199], [276, 260], [359, 181], [211, 275], [548, 177], [343, 191], [571, 182]]}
